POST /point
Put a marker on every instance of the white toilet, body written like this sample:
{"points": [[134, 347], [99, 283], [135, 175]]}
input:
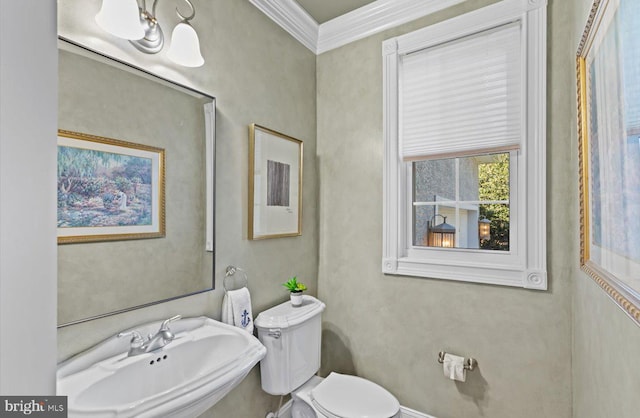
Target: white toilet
{"points": [[292, 336]]}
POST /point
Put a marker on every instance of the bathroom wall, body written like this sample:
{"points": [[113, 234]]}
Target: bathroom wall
{"points": [[258, 73], [28, 111], [606, 343], [390, 328]]}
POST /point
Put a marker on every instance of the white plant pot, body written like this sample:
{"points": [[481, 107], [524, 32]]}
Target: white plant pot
{"points": [[296, 298]]}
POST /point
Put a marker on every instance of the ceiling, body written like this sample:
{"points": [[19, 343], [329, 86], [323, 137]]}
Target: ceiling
{"points": [[324, 10]]}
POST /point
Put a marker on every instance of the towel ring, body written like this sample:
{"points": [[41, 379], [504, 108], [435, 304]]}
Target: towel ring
{"points": [[231, 270]]}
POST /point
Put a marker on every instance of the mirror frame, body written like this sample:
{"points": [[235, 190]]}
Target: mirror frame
{"points": [[210, 143], [624, 293]]}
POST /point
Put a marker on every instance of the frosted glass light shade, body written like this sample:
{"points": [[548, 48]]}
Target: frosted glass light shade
{"points": [[185, 46], [120, 18]]}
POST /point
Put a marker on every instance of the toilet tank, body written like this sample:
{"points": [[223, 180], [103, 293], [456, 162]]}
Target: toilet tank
{"points": [[292, 336]]}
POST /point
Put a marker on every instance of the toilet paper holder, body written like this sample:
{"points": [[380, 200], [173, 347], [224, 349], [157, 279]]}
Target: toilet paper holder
{"points": [[469, 363]]}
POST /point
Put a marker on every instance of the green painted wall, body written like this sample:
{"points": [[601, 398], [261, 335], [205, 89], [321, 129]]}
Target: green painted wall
{"points": [[390, 329]]}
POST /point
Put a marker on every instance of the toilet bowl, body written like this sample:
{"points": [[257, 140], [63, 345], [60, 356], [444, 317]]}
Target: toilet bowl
{"points": [[292, 336]]}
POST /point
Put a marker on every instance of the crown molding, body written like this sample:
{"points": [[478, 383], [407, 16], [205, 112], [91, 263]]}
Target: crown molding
{"points": [[291, 17], [357, 24], [374, 18]]}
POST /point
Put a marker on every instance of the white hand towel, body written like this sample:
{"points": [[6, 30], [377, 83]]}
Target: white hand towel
{"points": [[236, 309], [227, 312]]}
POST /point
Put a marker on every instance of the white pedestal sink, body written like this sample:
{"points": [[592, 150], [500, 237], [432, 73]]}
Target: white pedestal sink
{"points": [[183, 379]]}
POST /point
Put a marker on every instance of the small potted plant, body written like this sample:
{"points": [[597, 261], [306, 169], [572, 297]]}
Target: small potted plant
{"points": [[296, 288]]}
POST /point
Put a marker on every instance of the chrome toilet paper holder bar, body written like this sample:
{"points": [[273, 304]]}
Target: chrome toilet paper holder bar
{"points": [[469, 363]]}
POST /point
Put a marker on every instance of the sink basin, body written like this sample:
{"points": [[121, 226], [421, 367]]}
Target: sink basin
{"points": [[183, 379]]}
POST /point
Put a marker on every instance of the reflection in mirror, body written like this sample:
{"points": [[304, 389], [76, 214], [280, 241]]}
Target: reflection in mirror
{"points": [[105, 98]]}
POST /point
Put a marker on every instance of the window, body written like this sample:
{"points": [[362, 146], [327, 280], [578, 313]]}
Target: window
{"points": [[469, 196], [464, 133]]}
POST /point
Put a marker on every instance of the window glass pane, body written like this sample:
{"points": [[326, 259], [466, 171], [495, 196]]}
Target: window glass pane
{"points": [[462, 202], [468, 177], [421, 216], [494, 187], [497, 237], [493, 177], [434, 180]]}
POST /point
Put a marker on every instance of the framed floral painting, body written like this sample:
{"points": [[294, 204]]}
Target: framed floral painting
{"points": [[109, 189]]}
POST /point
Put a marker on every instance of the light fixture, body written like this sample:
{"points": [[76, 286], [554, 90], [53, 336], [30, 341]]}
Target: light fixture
{"points": [[441, 235], [127, 19], [484, 229]]}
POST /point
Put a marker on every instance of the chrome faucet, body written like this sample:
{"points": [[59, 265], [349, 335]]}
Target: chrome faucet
{"points": [[137, 343], [153, 342], [163, 337]]}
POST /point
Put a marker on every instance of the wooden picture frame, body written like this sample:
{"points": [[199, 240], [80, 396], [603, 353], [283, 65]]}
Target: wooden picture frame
{"points": [[275, 184], [608, 70], [108, 189]]}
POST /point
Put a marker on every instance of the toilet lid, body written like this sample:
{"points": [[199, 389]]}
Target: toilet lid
{"points": [[347, 396]]}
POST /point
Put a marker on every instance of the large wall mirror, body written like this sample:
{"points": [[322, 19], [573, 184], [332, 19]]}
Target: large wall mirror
{"points": [[104, 98]]}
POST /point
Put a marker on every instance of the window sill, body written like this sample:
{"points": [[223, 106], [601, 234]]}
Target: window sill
{"points": [[467, 272]]}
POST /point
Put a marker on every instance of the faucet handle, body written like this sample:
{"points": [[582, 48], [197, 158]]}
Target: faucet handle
{"points": [[136, 338], [165, 324]]}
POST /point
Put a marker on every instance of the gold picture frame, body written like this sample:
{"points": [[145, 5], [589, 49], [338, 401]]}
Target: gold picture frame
{"points": [[275, 184], [608, 99], [108, 189]]}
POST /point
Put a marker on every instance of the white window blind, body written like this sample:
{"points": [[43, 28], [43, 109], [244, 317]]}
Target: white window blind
{"points": [[463, 96]]}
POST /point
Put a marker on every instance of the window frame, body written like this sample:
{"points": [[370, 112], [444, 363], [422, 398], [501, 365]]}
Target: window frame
{"points": [[524, 265]]}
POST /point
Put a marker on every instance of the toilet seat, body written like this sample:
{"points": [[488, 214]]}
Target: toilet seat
{"points": [[344, 396]]}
